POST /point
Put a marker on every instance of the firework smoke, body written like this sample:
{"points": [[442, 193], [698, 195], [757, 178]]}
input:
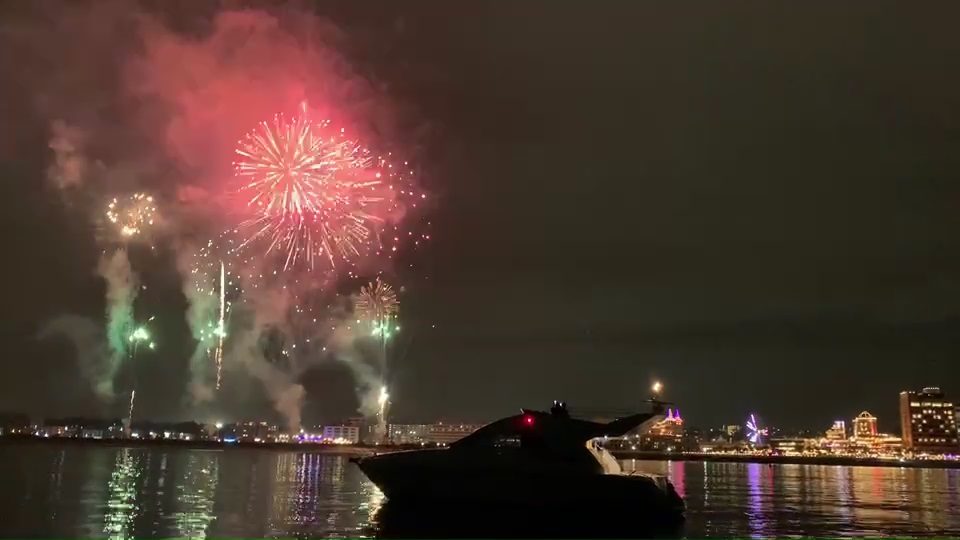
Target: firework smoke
{"points": [[93, 355], [344, 343], [201, 309], [121, 292], [245, 352], [69, 163]]}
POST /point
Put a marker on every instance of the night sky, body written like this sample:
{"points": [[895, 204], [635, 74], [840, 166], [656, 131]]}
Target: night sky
{"points": [[758, 206]]}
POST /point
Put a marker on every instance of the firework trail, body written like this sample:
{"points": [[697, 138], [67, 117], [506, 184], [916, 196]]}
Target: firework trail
{"points": [[133, 398], [221, 324], [383, 400], [215, 284]]}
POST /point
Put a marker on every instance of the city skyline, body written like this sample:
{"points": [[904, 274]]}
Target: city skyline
{"points": [[863, 425]]}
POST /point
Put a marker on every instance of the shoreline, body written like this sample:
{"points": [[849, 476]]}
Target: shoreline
{"points": [[335, 449], [358, 450], [840, 461]]}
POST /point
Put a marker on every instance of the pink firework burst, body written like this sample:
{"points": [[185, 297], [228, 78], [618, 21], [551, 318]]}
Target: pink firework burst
{"points": [[313, 194]]}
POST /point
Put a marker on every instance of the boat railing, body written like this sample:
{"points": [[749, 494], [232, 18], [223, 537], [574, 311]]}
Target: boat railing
{"points": [[607, 461]]}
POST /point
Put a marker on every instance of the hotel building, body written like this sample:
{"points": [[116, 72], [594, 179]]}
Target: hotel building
{"points": [[928, 422]]}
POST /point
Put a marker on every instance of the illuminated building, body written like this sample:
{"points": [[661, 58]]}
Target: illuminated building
{"points": [[791, 445], [409, 433], [928, 422], [252, 432], [666, 434], [837, 432], [865, 426], [343, 434], [671, 426], [443, 434]]}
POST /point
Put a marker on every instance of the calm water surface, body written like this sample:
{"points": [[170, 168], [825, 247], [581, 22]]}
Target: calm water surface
{"points": [[51, 490]]}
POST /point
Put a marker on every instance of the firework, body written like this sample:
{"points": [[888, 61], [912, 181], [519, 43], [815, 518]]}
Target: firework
{"points": [[314, 195], [220, 273], [377, 304], [133, 215], [140, 334]]}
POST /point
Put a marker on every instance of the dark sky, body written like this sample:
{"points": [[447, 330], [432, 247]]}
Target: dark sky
{"points": [[754, 204]]}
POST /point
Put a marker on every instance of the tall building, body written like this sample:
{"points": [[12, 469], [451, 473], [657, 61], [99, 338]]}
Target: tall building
{"points": [[865, 426], [928, 422]]}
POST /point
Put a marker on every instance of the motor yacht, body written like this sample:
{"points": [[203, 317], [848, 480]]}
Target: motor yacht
{"points": [[533, 458]]}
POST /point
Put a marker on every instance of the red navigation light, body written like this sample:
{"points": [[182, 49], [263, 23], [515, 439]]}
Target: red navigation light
{"points": [[528, 420]]}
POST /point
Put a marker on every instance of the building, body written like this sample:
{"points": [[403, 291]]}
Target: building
{"points": [[342, 434], [665, 435], [250, 432], [409, 433], [444, 434], [837, 432], [791, 445], [928, 422], [865, 426]]}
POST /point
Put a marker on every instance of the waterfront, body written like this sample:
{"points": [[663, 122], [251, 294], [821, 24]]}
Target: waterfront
{"points": [[100, 491]]}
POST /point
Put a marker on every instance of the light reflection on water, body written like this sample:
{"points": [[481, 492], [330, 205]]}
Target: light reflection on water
{"points": [[121, 507], [95, 492], [196, 492], [743, 499]]}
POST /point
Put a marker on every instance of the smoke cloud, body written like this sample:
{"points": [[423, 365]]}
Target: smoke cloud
{"points": [[201, 309], [246, 351], [93, 355], [69, 162], [345, 343]]}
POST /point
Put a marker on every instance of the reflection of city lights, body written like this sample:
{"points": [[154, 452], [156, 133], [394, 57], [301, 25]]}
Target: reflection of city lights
{"points": [[282, 488], [196, 490], [121, 503], [308, 488]]}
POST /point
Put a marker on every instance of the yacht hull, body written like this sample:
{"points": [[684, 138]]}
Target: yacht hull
{"points": [[401, 479]]}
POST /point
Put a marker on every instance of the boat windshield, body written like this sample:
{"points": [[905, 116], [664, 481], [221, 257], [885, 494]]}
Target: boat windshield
{"points": [[510, 434]]}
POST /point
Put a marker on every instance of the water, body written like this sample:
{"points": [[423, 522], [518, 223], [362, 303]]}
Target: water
{"points": [[67, 491]]}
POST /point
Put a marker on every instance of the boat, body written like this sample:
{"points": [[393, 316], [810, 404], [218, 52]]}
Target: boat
{"points": [[534, 458]]}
